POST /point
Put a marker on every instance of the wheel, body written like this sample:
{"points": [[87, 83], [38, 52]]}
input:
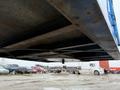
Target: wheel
{"points": [[96, 72], [73, 72], [78, 73]]}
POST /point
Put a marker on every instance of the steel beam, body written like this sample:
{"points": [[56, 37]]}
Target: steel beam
{"points": [[87, 15], [43, 39], [76, 46]]}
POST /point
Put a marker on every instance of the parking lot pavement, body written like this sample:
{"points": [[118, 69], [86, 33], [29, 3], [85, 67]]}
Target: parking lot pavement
{"points": [[59, 82]]}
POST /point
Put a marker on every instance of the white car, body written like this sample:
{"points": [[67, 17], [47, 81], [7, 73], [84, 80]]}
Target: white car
{"points": [[3, 70]]}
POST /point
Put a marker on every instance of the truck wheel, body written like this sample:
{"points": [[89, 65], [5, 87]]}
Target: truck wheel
{"points": [[96, 72], [78, 73]]}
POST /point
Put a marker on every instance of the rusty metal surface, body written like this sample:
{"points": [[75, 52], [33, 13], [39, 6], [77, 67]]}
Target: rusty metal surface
{"points": [[86, 14], [20, 16], [28, 29], [62, 33]]}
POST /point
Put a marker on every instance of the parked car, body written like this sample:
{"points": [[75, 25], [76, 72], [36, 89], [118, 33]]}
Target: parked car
{"points": [[55, 69], [3, 70], [73, 70], [22, 70], [38, 69], [16, 69], [12, 68]]}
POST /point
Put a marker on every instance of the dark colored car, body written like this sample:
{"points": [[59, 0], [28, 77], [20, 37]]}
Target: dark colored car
{"points": [[12, 68], [55, 69], [22, 70], [16, 69]]}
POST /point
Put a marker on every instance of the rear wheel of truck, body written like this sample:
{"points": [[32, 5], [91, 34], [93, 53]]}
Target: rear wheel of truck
{"points": [[96, 72], [78, 73]]}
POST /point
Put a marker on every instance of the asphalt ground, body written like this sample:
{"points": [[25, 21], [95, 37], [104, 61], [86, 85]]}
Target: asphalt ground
{"points": [[59, 82]]}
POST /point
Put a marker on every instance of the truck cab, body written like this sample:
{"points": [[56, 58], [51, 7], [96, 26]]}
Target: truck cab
{"points": [[91, 68]]}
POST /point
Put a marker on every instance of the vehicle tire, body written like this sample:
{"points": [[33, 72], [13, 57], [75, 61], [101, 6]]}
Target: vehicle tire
{"points": [[78, 73], [96, 72], [73, 72]]}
